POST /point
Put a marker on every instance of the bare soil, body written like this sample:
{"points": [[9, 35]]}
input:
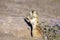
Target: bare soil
{"points": [[12, 13]]}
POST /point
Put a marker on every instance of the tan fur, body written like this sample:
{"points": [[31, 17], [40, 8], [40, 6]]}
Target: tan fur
{"points": [[37, 32], [33, 19]]}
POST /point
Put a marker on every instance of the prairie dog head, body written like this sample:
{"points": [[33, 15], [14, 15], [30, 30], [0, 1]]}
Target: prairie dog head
{"points": [[33, 14]]}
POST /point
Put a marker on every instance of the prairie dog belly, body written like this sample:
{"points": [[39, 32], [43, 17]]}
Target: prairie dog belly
{"points": [[37, 33]]}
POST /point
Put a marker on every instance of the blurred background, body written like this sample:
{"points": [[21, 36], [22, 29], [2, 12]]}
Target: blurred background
{"points": [[12, 13]]}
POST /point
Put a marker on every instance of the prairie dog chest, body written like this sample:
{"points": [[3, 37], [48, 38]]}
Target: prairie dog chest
{"points": [[34, 21]]}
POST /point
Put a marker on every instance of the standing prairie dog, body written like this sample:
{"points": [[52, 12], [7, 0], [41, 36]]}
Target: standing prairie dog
{"points": [[32, 18]]}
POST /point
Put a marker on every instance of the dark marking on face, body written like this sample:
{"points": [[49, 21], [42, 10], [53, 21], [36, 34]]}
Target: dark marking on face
{"points": [[32, 11]]}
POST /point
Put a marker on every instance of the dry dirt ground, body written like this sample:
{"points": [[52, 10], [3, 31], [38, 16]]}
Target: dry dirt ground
{"points": [[12, 13]]}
